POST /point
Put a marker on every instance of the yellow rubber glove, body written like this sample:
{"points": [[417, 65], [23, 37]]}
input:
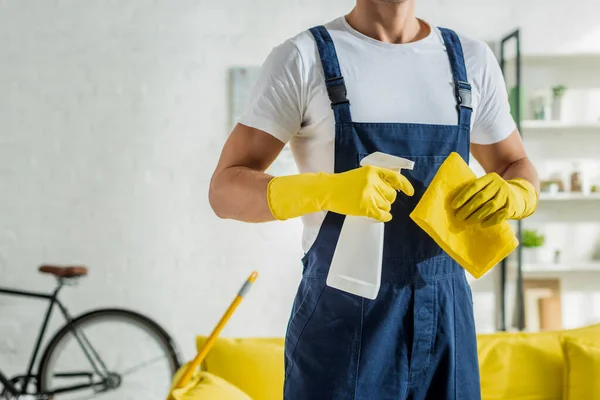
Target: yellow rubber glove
{"points": [[491, 200], [366, 192]]}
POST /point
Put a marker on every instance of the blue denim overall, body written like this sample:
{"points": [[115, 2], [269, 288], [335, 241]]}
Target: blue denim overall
{"points": [[417, 339]]}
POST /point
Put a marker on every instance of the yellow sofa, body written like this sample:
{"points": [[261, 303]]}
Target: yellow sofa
{"points": [[516, 366]]}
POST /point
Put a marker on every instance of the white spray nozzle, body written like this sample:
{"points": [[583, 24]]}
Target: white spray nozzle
{"points": [[379, 159]]}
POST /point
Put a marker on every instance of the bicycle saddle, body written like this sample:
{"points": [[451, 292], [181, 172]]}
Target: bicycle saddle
{"points": [[65, 271]]}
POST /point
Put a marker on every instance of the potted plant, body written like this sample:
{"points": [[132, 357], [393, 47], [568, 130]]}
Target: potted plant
{"points": [[532, 242], [557, 97]]}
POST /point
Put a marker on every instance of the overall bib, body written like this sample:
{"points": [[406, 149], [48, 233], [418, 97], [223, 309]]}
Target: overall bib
{"points": [[417, 339]]}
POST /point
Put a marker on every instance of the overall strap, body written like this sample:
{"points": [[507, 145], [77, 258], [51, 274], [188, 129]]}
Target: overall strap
{"points": [[459, 71], [336, 88]]}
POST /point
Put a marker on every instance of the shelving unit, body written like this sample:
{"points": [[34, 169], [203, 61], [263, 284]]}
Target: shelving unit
{"points": [[571, 221]]}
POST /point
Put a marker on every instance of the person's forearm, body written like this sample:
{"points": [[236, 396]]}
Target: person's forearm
{"points": [[240, 193], [524, 169]]}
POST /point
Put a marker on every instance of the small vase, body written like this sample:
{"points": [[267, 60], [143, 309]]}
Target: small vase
{"points": [[556, 108], [546, 255], [537, 256], [530, 255]]}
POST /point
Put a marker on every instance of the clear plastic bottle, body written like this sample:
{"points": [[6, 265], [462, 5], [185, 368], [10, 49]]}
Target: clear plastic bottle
{"points": [[358, 256]]}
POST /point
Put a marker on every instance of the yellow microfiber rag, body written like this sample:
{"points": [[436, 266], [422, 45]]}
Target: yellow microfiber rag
{"points": [[475, 248]]}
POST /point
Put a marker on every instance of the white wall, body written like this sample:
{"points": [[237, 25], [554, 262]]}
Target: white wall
{"points": [[112, 114]]}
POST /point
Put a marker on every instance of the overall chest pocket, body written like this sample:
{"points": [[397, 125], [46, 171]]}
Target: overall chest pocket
{"points": [[404, 241]]}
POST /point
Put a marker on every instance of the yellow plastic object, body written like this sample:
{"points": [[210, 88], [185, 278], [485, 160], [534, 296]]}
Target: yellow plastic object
{"points": [[193, 366], [256, 366], [475, 248], [491, 200], [206, 386], [520, 366], [526, 365], [582, 374], [363, 192]]}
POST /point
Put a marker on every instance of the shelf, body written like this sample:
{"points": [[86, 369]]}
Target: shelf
{"points": [[563, 268], [566, 196], [543, 126], [556, 59], [549, 268]]}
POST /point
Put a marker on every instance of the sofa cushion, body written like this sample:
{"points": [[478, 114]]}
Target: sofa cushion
{"points": [[526, 366], [253, 365], [206, 386], [582, 372], [520, 367], [589, 333]]}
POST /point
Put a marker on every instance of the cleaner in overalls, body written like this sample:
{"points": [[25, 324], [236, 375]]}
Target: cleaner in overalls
{"points": [[377, 80]]}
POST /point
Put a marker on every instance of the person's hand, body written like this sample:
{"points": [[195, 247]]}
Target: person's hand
{"points": [[491, 200], [366, 192]]}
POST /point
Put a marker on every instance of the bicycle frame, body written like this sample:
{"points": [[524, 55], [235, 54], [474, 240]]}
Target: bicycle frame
{"points": [[87, 348]]}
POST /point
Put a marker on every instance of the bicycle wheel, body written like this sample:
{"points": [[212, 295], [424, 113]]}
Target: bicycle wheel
{"points": [[109, 354]]}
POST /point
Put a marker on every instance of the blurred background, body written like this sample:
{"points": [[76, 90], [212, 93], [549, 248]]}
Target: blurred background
{"points": [[113, 114]]}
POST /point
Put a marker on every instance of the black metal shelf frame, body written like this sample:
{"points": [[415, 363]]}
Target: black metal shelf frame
{"points": [[515, 37]]}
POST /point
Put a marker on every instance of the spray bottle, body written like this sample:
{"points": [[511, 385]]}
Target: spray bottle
{"points": [[358, 256]]}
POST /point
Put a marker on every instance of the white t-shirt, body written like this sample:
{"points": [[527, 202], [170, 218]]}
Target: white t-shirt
{"points": [[385, 82]]}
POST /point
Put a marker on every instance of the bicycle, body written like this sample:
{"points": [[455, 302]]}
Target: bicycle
{"points": [[59, 372]]}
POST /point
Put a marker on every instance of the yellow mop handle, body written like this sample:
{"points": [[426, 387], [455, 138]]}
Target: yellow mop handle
{"points": [[215, 333]]}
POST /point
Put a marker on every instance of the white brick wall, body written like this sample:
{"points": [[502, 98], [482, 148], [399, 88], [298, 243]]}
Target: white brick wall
{"points": [[112, 114]]}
